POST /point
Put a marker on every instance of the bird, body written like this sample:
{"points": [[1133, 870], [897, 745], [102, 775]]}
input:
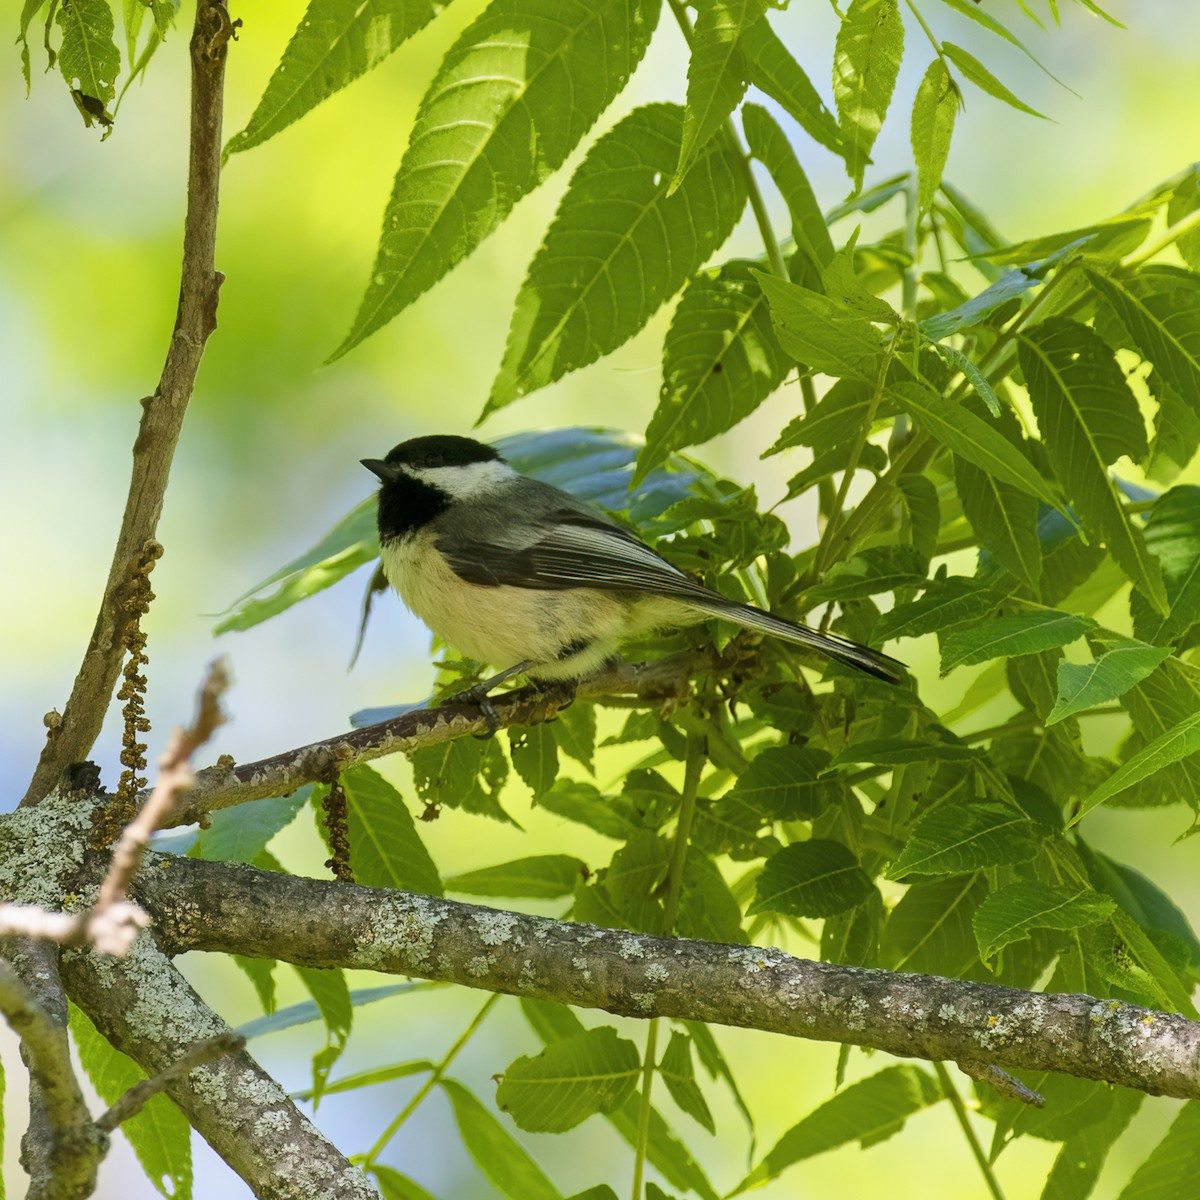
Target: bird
{"points": [[522, 576]]}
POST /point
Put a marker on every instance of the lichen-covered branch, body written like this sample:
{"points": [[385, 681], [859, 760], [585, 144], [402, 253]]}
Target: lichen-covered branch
{"points": [[214, 906], [62, 1148], [145, 1008], [71, 737], [225, 784]]}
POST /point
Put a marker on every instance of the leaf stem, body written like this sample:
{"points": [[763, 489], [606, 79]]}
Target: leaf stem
{"points": [[644, 1107], [1170, 235], [434, 1079], [960, 1111], [937, 46]]}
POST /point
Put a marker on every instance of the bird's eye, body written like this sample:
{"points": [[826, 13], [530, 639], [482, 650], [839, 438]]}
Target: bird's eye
{"points": [[434, 460]]}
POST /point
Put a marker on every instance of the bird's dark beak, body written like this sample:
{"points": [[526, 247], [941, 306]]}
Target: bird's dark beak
{"points": [[377, 466]]}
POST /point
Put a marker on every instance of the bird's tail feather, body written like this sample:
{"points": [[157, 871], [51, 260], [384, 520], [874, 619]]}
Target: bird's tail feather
{"points": [[839, 649]]}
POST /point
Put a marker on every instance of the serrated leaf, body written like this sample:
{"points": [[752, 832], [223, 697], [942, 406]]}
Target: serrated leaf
{"points": [[88, 57], [870, 572], [1005, 518], [864, 1112], [721, 360], [1007, 637], [769, 144], [1088, 419], [772, 69], [504, 1161], [972, 374], [160, 1134], [571, 1079], [620, 246], [822, 333], [534, 753], [976, 310], [982, 78], [1180, 742], [784, 783], [1109, 675], [575, 732], [335, 42], [835, 419], [1163, 699], [811, 879], [709, 911], [929, 931], [240, 833], [1173, 1166], [463, 773], [541, 876], [956, 838], [866, 61], [945, 602], [934, 110], [716, 73], [514, 96], [972, 438], [680, 1077], [1012, 913], [1184, 202], [587, 805], [665, 1150], [385, 848]]}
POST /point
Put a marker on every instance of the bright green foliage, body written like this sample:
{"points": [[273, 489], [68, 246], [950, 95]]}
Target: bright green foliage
{"points": [[546, 875], [680, 1077], [981, 77], [1173, 1165], [1109, 675], [623, 242], [866, 61], [1007, 637], [88, 57], [335, 42], [955, 839], [542, 71], [933, 115], [1173, 537], [569, 1081], [1012, 913], [160, 1134]]}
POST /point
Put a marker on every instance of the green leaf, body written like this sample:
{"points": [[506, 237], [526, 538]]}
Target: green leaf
{"points": [[575, 732], [866, 61], [945, 602], [372, 1076], [1007, 637], [534, 753], [871, 571], [160, 1134], [972, 438], [811, 879], [1173, 537], [824, 334], [1088, 419], [929, 931], [956, 838], [240, 833], [504, 1161], [1163, 320], [88, 57], [1004, 517], [1173, 1167], [933, 115], [769, 144], [1012, 913], [784, 783], [773, 70], [335, 42], [900, 751], [542, 876], [385, 848], [571, 1079], [587, 805], [514, 96], [680, 1077], [717, 1066], [865, 1112], [721, 360], [972, 374], [666, 1152], [709, 911], [1163, 699], [394, 1185], [307, 1011], [976, 310], [982, 78], [836, 418], [328, 989], [619, 247], [1184, 202], [463, 773], [1179, 742], [1111, 674], [1077, 1167], [716, 73]]}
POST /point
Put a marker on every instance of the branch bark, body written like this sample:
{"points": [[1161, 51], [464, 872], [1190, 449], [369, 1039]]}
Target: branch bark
{"points": [[224, 785], [200, 905], [72, 737], [145, 1008]]}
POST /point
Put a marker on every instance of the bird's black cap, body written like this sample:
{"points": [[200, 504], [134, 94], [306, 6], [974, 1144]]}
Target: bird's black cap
{"points": [[434, 450]]}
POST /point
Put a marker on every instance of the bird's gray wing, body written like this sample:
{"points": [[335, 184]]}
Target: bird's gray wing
{"points": [[569, 549]]}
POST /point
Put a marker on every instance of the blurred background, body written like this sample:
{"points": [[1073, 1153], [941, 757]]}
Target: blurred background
{"points": [[89, 252]]}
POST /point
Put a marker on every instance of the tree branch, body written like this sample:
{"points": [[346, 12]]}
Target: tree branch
{"points": [[72, 737], [200, 905], [62, 1148], [146, 1009], [224, 785]]}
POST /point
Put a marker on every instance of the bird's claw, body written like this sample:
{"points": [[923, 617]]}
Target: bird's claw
{"points": [[478, 695]]}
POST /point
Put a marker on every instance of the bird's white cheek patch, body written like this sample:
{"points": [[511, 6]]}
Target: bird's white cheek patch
{"points": [[464, 483]]}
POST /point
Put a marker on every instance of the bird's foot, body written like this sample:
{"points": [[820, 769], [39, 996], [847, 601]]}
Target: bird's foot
{"points": [[478, 695]]}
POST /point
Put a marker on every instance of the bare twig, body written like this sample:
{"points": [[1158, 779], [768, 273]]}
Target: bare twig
{"points": [[163, 412], [201, 905], [134, 1100]]}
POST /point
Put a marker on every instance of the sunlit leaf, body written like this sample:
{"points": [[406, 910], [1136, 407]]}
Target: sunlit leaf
{"points": [[982, 78], [514, 95], [944, 603], [542, 875], [534, 753], [1012, 913], [933, 115], [238, 834], [395, 1185], [88, 57], [1109, 675], [619, 247], [930, 930], [680, 1077]]}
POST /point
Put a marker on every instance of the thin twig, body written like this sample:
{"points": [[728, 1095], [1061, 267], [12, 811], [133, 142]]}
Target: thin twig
{"points": [[964, 1121], [163, 412], [1009, 1086]]}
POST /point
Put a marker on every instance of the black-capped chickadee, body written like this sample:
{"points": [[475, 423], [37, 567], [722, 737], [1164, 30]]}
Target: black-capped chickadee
{"points": [[518, 574]]}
